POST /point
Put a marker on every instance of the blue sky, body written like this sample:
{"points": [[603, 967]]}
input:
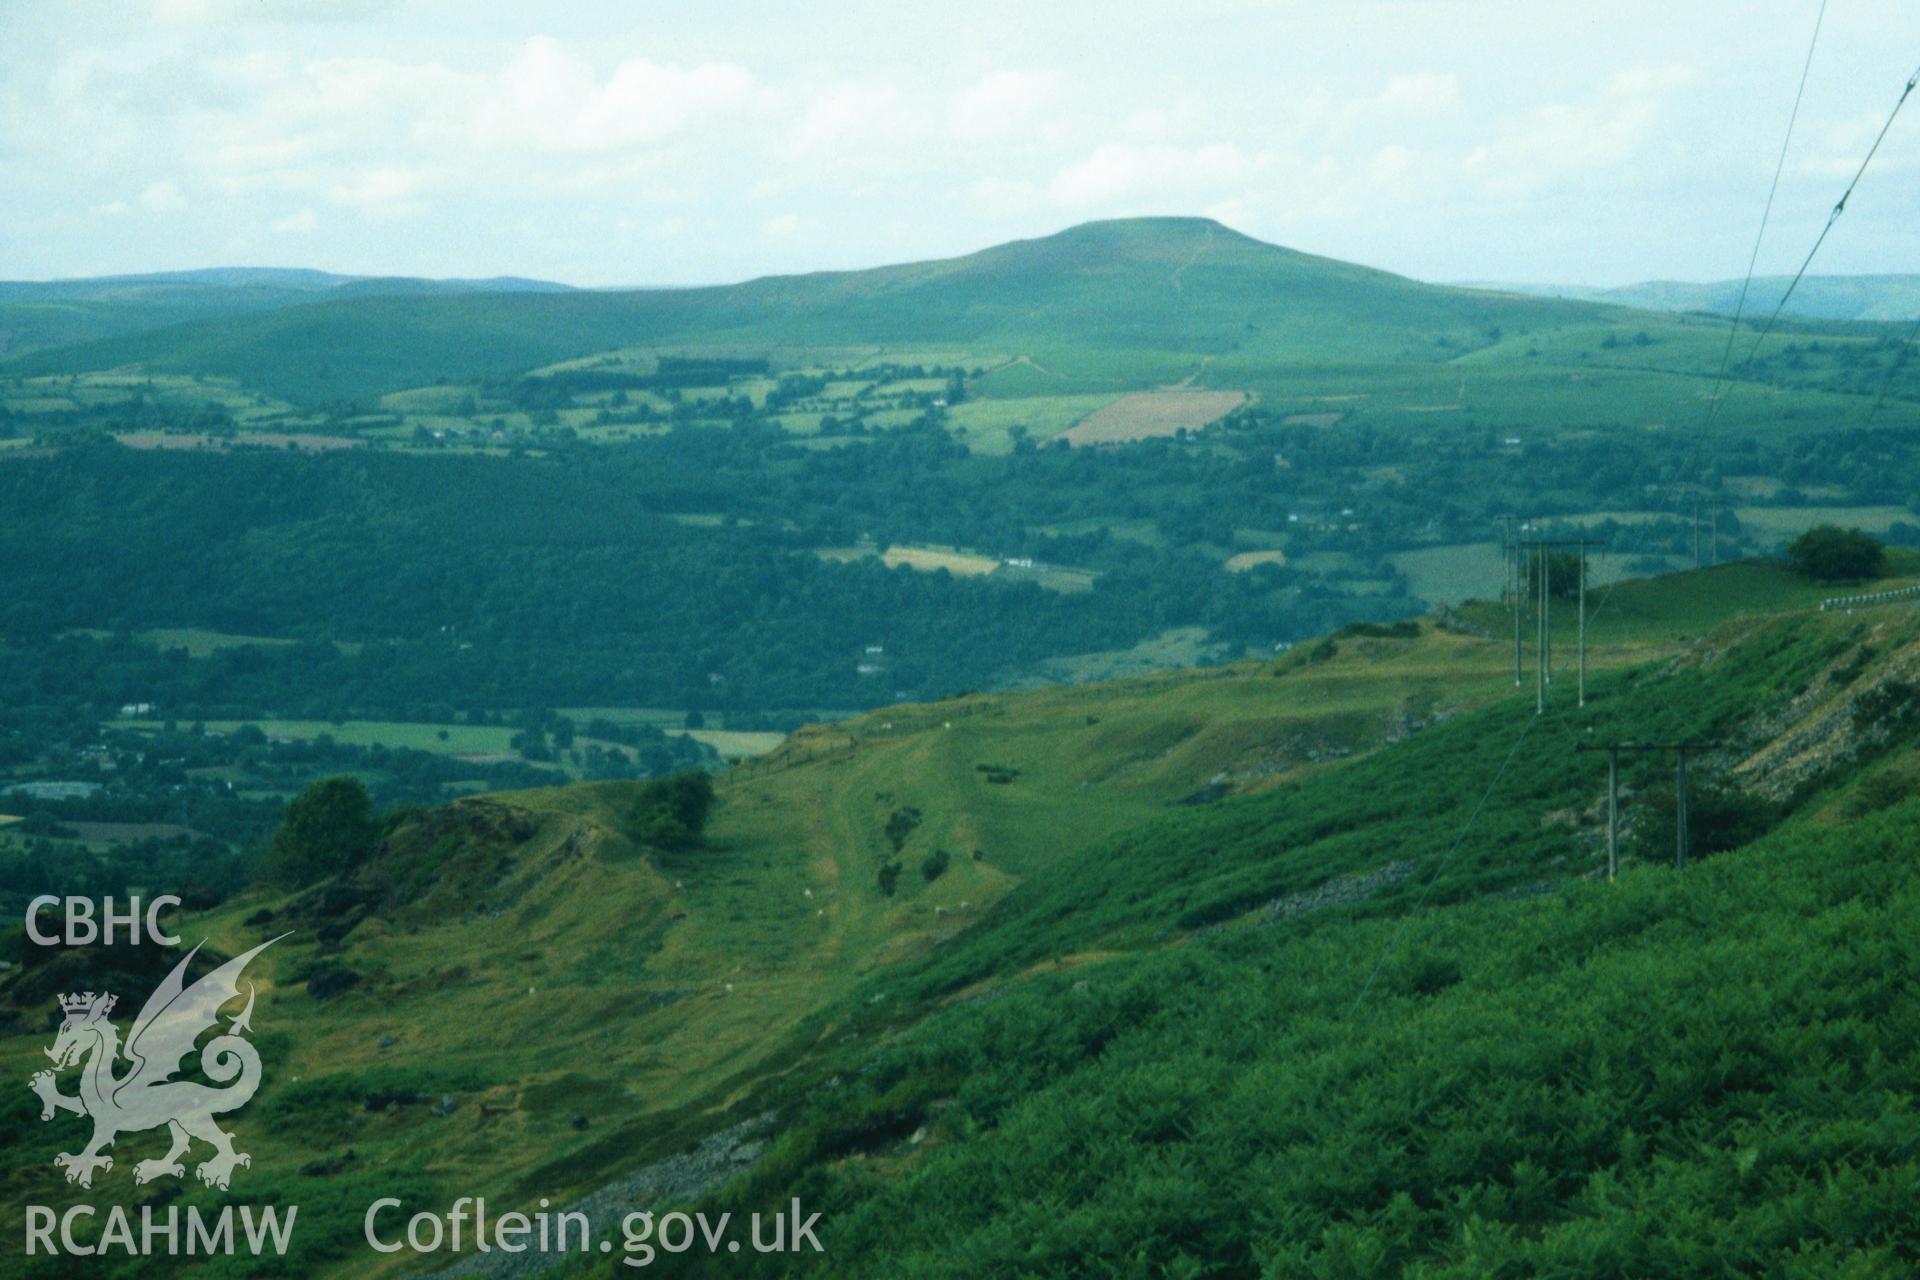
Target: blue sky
{"points": [[648, 143]]}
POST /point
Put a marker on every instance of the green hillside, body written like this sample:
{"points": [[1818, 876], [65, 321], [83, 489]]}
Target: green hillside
{"points": [[1390, 1019], [1858, 298], [1333, 918], [1175, 289], [36, 315]]}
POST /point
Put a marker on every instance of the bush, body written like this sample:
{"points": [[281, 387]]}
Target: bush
{"points": [[1406, 629], [1883, 791], [901, 824], [672, 812], [889, 877], [1718, 820], [1563, 574], [1828, 553], [935, 865], [328, 830]]}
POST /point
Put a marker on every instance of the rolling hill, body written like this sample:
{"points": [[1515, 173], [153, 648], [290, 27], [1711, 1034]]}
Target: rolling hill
{"points": [[1332, 918], [35, 315], [1863, 298], [1127, 302]]}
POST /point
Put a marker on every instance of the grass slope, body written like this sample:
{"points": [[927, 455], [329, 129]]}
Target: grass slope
{"points": [[36, 315], [1091, 298], [1527, 1070], [1498, 1065]]}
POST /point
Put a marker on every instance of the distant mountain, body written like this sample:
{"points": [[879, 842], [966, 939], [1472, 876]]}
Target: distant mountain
{"points": [[36, 315], [1122, 301], [1882, 298]]}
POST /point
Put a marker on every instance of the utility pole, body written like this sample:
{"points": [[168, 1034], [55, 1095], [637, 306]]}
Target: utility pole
{"points": [[1542, 577], [1506, 557], [1716, 535], [1682, 844], [1680, 808], [1613, 812], [1546, 613], [1583, 622], [1539, 633], [1510, 588]]}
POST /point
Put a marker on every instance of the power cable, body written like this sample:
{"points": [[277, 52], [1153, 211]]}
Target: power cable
{"points": [[1779, 167], [1839, 208]]}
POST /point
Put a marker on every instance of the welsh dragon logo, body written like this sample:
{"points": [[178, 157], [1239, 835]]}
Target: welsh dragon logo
{"points": [[145, 1095]]}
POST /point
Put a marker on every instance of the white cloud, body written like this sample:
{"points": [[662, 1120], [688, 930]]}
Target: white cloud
{"points": [[1416, 95], [201, 12], [163, 197], [1171, 174], [859, 111], [548, 98], [1147, 126], [523, 134], [1004, 198], [1559, 139], [385, 185], [1000, 104]]}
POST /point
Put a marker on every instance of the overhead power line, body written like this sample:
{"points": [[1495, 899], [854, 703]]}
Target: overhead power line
{"points": [[1753, 259], [1833, 216], [1839, 208]]}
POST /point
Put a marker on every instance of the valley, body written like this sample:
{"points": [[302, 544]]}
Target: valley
{"points": [[1095, 649], [517, 990], [1143, 642]]}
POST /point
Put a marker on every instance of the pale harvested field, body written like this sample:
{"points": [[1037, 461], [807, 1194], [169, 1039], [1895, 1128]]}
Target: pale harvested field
{"points": [[1248, 559], [1147, 414], [929, 559]]}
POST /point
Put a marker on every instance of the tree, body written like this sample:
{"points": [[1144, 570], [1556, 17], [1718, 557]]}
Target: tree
{"points": [[1563, 573], [328, 830], [672, 812], [1828, 553]]}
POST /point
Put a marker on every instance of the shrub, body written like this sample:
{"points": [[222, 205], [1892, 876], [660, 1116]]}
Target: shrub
{"points": [[328, 830], [935, 865], [1883, 791], [889, 877], [901, 824], [1828, 553], [1718, 820], [671, 813]]}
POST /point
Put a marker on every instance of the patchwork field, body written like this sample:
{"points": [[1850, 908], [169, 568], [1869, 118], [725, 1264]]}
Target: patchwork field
{"points": [[1246, 560], [928, 559], [994, 425], [439, 739], [1788, 522], [198, 642], [1145, 415]]}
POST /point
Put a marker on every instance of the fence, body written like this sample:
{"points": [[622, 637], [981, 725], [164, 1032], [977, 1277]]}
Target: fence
{"points": [[1878, 597]]}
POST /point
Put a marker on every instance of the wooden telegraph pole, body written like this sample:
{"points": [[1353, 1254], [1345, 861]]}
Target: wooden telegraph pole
{"points": [[1681, 840], [1542, 578], [1510, 585]]}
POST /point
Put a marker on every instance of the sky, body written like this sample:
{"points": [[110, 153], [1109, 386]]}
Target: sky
{"points": [[632, 142]]}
